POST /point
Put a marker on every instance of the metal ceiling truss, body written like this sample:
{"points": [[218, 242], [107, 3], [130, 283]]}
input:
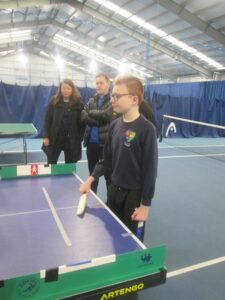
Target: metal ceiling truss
{"points": [[155, 43], [30, 24], [192, 19]]}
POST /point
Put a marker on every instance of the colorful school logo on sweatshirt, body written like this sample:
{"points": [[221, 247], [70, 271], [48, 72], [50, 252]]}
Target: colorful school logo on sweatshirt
{"points": [[129, 137]]}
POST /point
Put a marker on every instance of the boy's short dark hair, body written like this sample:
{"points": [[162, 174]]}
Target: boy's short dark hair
{"points": [[103, 75], [134, 85]]}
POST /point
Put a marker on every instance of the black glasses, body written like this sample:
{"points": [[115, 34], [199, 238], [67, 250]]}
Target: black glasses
{"points": [[116, 96]]}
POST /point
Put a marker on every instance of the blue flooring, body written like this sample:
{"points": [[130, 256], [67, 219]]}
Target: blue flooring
{"points": [[187, 215]]}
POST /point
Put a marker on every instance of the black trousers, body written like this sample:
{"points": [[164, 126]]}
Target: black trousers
{"points": [[123, 203], [94, 154], [62, 144]]}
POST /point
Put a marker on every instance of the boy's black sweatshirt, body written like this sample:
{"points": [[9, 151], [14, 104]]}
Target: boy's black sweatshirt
{"points": [[131, 157]]}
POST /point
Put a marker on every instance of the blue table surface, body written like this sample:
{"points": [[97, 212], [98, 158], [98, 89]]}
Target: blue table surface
{"points": [[30, 239]]}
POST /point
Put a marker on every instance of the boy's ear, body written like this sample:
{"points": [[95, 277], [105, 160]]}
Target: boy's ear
{"points": [[136, 99]]}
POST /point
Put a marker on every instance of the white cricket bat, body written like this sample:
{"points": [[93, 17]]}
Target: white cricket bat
{"points": [[82, 204]]}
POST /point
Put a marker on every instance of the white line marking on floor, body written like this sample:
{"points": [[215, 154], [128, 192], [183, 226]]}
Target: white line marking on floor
{"points": [[19, 151], [35, 211], [160, 157], [196, 267], [160, 147], [190, 146], [178, 156], [193, 155], [56, 217]]}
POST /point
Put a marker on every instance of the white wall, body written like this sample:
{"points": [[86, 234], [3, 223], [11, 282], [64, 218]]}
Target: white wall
{"points": [[40, 70]]}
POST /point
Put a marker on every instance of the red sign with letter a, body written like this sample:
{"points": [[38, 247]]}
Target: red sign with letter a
{"points": [[34, 170]]}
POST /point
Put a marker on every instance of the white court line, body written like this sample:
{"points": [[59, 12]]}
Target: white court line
{"points": [[35, 211], [196, 267], [160, 157], [57, 219], [193, 155], [178, 156], [20, 151], [162, 147], [190, 146]]}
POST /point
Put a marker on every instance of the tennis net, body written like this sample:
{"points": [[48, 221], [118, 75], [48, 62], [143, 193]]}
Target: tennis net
{"points": [[194, 138]]}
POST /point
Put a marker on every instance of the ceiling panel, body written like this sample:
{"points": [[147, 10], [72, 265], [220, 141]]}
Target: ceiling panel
{"points": [[119, 44]]}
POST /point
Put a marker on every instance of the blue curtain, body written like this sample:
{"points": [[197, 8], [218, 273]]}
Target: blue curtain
{"points": [[27, 104], [201, 101]]}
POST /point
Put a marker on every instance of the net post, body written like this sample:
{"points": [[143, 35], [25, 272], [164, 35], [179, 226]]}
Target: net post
{"points": [[161, 135]]}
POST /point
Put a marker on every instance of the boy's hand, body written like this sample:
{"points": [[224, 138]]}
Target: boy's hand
{"points": [[86, 186], [141, 213], [46, 142]]}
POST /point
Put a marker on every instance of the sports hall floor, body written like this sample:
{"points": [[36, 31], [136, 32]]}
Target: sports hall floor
{"points": [[187, 214]]}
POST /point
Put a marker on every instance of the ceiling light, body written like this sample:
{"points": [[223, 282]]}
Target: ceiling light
{"points": [[93, 66], [44, 54], [68, 32], [137, 20], [208, 60], [96, 55], [179, 44], [111, 6], [12, 34], [99, 46], [122, 68], [15, 36], [7, 10], [154, 30], [59, 62], [125, 13], [22, 58], [101, 39], [100, 1], [3, 53]]}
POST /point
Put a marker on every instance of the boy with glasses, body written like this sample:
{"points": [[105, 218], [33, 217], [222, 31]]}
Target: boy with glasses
{"points": [[130, 157]]}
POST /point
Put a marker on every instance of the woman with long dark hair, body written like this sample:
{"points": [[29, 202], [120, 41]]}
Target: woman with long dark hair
{"points": [[63, 130]]}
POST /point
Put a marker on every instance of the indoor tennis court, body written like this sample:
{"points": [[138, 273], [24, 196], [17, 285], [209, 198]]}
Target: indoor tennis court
{"points": [[187, 215], [136, 88]]}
